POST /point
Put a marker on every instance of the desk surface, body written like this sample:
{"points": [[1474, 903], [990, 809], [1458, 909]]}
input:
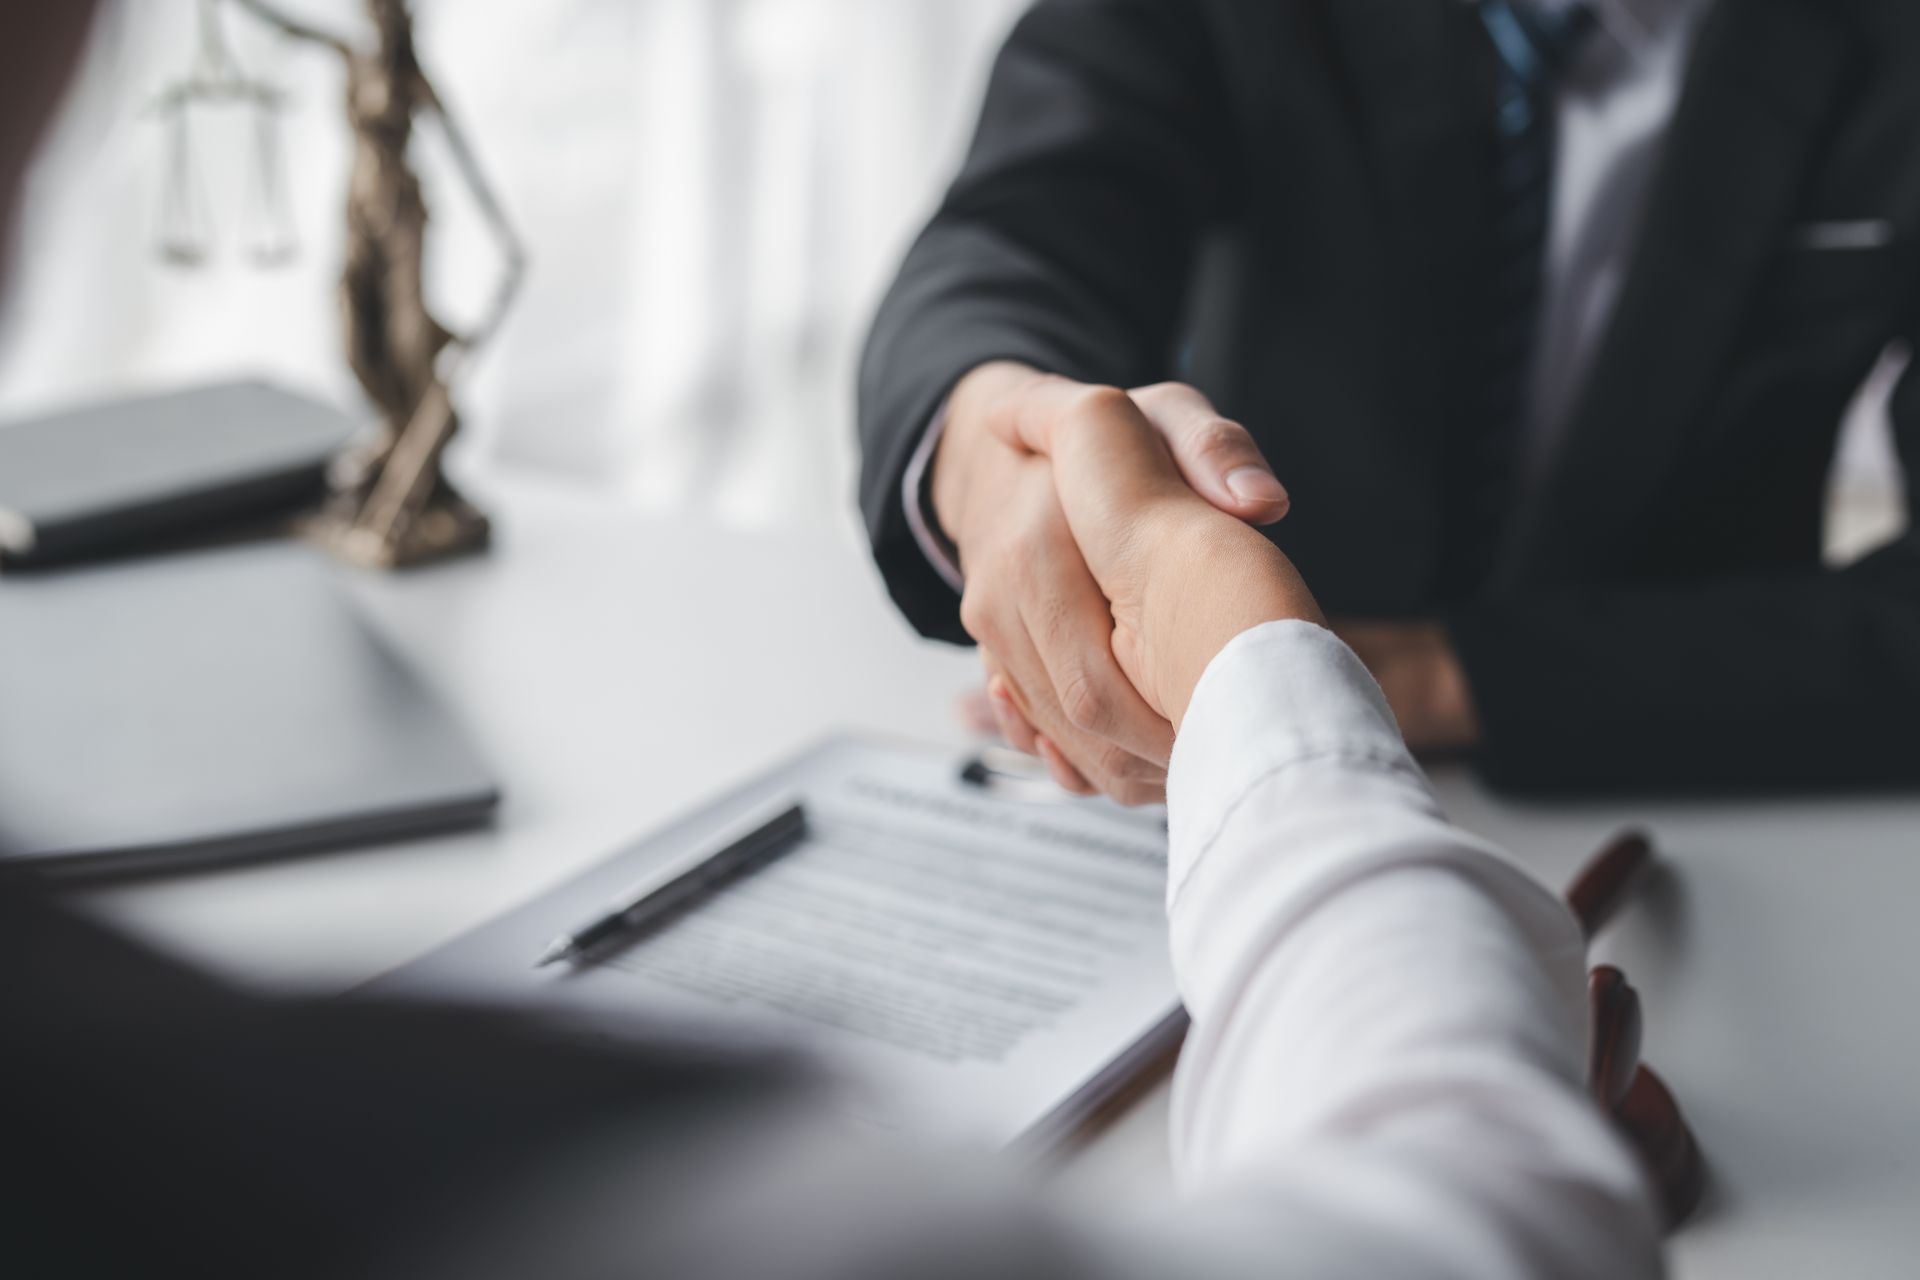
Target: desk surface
{"points": [[619, 668]]}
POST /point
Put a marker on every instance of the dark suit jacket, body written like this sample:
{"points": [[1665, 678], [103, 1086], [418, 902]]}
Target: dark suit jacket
{"points": [[1294, 193], [158, 1125]]}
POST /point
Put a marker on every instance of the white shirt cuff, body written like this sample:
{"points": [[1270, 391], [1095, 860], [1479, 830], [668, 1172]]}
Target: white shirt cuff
{"points": [[913, 497], [1278, 694]]}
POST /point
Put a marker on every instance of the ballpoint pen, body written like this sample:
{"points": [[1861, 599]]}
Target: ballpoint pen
{"points": [[1010, 772], [653, 900]]}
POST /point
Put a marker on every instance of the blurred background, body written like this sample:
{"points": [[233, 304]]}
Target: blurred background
{"points": [[714, 193]]}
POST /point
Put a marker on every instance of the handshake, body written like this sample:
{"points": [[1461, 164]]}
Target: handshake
{"points": [[1108, 546]]}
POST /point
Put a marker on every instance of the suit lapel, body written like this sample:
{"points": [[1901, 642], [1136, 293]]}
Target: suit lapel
{"points": [[1764, 79]]}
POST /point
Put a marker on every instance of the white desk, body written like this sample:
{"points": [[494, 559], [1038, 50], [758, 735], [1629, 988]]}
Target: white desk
{"points": [[619, 669]]}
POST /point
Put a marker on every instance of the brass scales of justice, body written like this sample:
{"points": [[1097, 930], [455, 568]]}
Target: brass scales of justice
{"points": [[389, 504]]}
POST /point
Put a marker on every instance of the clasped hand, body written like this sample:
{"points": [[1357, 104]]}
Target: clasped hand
{"points": [[1099, 580], [1108, 546]]}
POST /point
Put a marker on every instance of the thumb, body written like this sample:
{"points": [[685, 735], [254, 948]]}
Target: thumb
{"points": [[1216, 455]]}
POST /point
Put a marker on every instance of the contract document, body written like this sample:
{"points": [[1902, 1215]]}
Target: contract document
{"points": [[982, 965]]}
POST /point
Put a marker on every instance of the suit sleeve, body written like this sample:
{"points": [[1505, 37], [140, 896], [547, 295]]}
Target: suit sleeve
{"points": [[1802, 680], [1066, 242]]}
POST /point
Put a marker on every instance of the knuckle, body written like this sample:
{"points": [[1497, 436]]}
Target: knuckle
{"points": [[1080, 752], [1120, 765], [1218, 438], [1097, 400], [1085, 703], [976, 615], [1133, 768], [1160, 393]]}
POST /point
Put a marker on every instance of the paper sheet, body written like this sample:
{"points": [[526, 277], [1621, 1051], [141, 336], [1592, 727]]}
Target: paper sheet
{"points": [[983, 964]]}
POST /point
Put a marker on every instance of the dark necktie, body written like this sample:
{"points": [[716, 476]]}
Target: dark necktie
{"points": [[1534, 49]]}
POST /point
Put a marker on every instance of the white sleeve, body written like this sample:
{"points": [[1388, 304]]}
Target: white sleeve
{"points": [[1384, 1076], [913, 498], [1386, 1064]]}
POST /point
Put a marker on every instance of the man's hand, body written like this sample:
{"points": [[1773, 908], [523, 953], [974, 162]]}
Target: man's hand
{"points": [[1044, 627], [1422, 678], [1183, 578]]}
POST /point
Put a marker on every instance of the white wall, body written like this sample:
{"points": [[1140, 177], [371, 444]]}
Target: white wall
{"points": [[714, 191]]}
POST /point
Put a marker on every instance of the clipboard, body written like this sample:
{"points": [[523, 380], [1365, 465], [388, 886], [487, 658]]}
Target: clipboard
{"points": [[981, 967]]}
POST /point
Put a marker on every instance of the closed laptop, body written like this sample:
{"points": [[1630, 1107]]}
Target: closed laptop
{"points": [[211, 706]]}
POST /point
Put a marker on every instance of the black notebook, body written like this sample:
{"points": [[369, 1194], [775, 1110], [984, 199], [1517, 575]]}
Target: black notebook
{"points": [[121, 475], [209, 706]]}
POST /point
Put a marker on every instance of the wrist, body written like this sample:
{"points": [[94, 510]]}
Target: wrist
{"points": [[968, 446], [1213, 579]]}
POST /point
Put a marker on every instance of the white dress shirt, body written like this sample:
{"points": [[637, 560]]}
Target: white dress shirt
{"points": [[1384, 1079], [1613, 111], [1389, 1018]]}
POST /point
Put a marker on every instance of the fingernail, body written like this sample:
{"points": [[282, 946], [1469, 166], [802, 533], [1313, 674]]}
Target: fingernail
{"points": [[1253, 484]]}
